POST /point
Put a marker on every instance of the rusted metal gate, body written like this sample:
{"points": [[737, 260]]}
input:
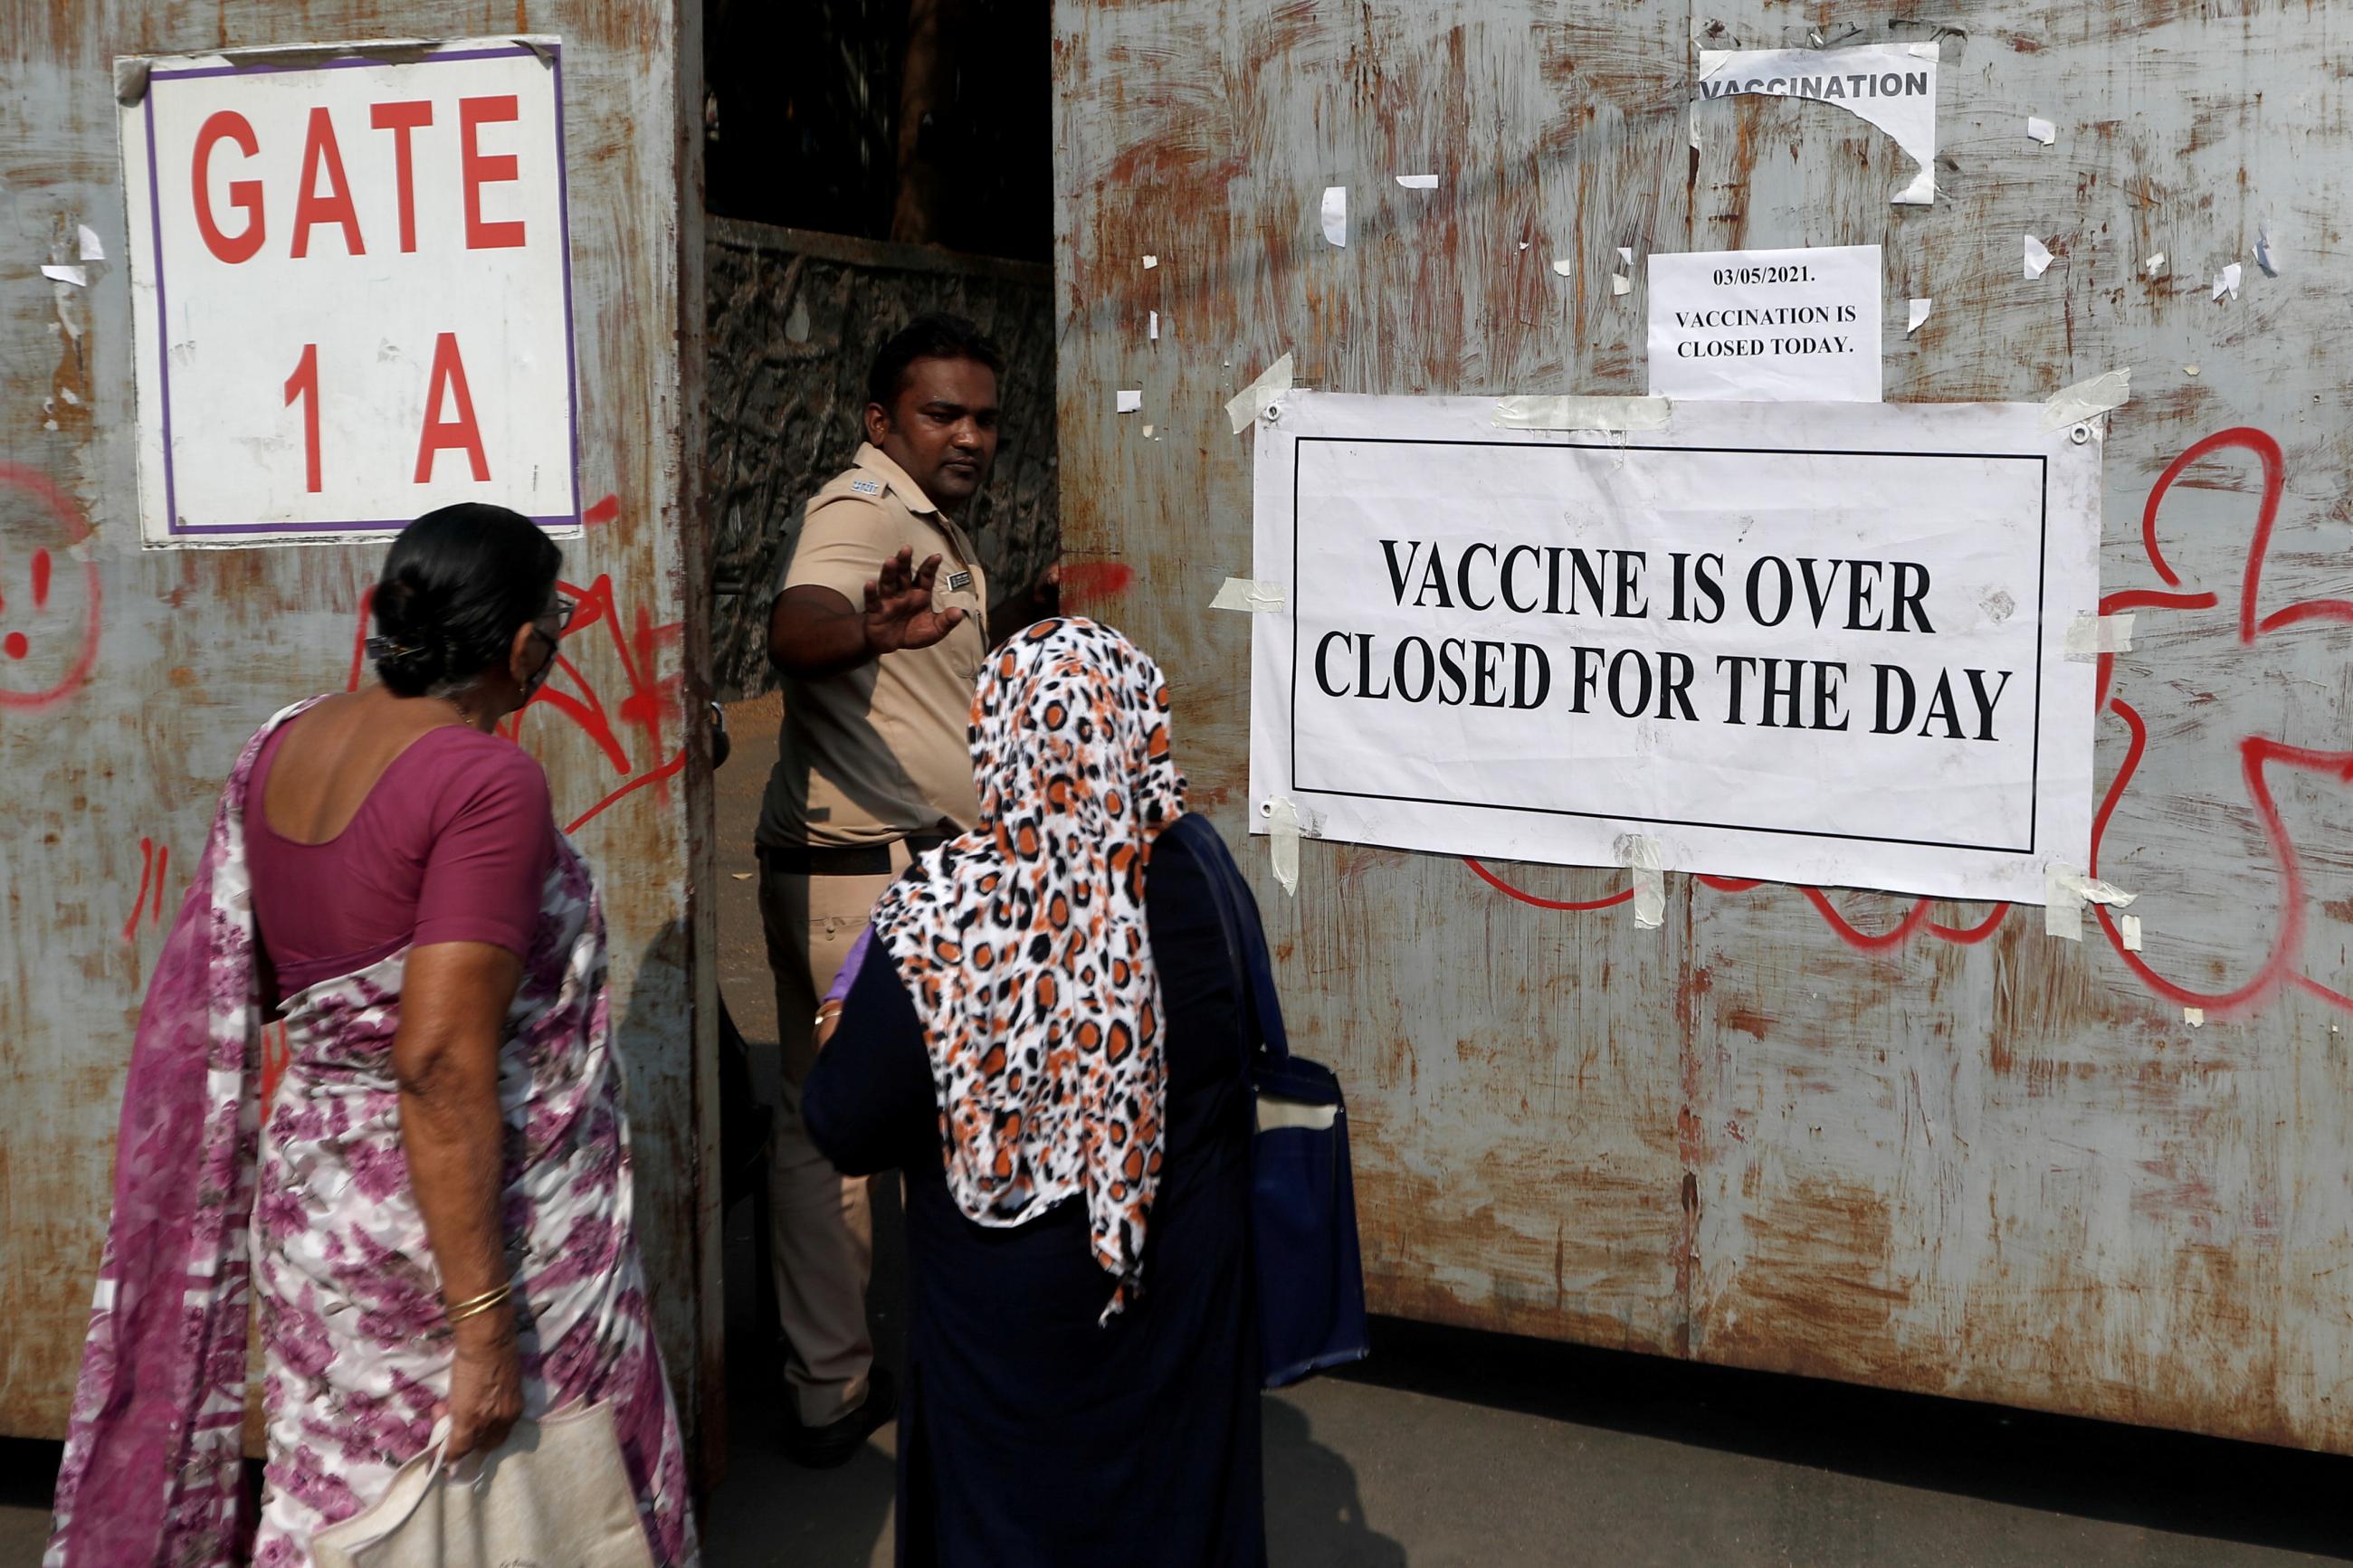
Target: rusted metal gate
{"points": [[127, 687], [1822, 1132]]}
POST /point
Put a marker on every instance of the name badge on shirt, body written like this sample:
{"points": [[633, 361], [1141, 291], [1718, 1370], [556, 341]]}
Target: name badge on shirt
{"points": [[866, 487], [959, 582]]}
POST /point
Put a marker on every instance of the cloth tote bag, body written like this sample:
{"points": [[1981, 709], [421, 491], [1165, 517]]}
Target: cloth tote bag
{"points": [[1310, 1277], [556, 1494]]}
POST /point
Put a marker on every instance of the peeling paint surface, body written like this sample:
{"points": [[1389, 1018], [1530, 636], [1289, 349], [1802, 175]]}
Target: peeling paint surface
{"points": [[130, 679], [1825, 1132]]}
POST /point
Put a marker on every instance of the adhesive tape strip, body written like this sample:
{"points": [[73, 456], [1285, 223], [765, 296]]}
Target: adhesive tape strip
{"points": [[2065, 891], [1581, 413], [2089, 636], [1247, 593], [2072, 404], [1641, 854], [1243, 408]]}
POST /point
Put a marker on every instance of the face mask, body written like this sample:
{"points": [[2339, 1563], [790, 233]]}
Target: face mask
{"points": [[538, 678]]}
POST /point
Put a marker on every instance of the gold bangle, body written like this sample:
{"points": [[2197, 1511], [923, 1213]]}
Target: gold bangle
{"points": [[479, 1304], [827, 1010]]}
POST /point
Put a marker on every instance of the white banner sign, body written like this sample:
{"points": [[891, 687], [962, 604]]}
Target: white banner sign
{"points": [[351, 289], [1817, 643], [1767, 325]]}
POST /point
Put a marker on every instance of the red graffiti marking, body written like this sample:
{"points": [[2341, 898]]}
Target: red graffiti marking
{"points": [[68, 667], [154, 866], [2259, 757], [603, 512], [1083, 581], [629, 732]]}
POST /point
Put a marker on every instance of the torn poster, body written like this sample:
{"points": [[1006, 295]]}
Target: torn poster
{"points": [[1917, 314], [1335, 215], [1893, 86], [2036, 256], [1763, 325], [1524, 644]]}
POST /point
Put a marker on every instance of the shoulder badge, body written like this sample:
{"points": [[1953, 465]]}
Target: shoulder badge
{"points": [[866, 487]]}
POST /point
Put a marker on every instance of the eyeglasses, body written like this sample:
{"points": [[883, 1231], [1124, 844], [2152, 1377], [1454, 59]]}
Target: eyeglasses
{"points": [[564, 610]]}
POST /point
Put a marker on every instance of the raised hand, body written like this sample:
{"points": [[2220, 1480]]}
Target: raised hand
{"points": [[899, 612]]}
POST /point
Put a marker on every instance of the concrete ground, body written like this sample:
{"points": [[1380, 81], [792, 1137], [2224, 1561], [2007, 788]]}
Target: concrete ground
{"points": [[1454, 1448]]}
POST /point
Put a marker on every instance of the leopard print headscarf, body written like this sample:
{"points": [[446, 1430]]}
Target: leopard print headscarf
{"points": [[1023, 943]]}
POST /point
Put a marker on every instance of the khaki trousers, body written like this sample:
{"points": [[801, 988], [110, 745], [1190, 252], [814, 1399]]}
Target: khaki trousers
{"points": [[821, 1225]]}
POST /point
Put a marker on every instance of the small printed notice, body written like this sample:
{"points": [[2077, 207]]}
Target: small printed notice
{"points": [[351, 289], [1767, 326]]}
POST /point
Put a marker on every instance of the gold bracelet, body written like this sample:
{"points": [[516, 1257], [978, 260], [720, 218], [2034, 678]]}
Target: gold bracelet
{"points": [[827, 1010], [481, 1303]]}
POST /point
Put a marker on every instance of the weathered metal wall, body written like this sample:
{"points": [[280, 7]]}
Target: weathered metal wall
{"points": [[794, 318], [1837, 1133], [144, 672]]}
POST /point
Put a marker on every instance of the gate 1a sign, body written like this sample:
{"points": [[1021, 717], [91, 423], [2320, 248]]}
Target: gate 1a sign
{"points": [[352, 289]]}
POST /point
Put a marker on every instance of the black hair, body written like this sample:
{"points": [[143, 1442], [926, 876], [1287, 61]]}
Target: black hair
{"points": [[455, 585], [935, 334]]}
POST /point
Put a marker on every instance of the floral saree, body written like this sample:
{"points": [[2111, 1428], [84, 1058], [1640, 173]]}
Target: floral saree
{"points": [[306, 1204]]}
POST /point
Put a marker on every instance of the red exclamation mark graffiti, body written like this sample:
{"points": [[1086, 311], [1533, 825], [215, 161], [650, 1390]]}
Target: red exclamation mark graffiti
{"points": [[155, 866], [146, 876], [16, 645]]}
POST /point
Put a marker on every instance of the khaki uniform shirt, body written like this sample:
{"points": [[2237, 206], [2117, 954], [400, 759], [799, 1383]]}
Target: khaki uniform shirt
{"points": [[881, 750]]}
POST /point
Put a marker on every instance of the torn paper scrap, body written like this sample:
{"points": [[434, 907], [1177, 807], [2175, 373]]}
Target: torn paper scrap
{"points": [[1129, 402], [2070, 405], [1564, 267], [1335, 215], [2065, 891], [91, 250], [1244, 406], [1639, 853], [1150, 262], [1581, 413], [1418, 182], [1893, 86], [1918, 314], [2154, 265], [1247, 593], [1620, 284], [1284, 823], [76, 276], [1626, 255], [2088, 636], [2194, 1016], [2128, 927], [2225, 281], [2263, 252], [2042, 129], [2190, 370], [1152, 325], [1147, 432], [2037, 257]]}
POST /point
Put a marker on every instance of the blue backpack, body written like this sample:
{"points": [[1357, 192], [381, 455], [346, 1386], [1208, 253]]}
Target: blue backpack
{"points": [[1311, 1281]]}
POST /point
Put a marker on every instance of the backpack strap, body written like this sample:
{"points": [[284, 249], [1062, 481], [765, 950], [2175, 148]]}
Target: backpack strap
{"points": [[1261, 1011]]}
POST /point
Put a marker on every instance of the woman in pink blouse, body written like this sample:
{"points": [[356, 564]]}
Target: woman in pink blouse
{"points": [[438, 1191]]}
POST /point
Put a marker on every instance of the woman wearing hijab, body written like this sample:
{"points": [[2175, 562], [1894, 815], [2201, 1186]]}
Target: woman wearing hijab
{"points": [[1043, 1038], [437, 1194]]}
